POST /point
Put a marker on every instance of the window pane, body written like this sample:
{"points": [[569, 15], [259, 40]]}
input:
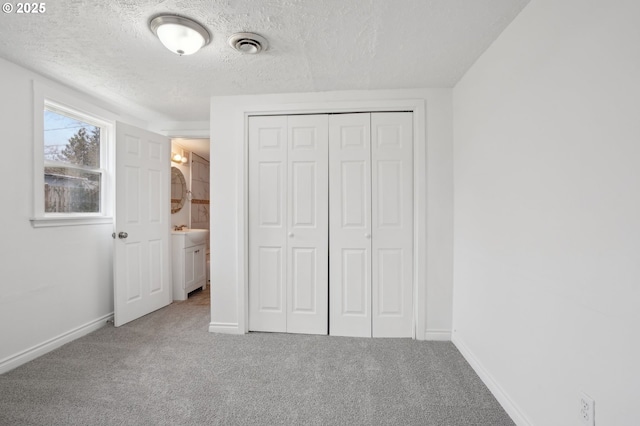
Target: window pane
{"points": [[70, 141], [68, 190]]}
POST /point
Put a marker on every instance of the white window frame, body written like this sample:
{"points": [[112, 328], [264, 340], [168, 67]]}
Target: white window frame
{"points": [[64, 103]]}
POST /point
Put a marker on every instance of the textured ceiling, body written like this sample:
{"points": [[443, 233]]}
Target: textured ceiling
{"points": [[107, 49]]}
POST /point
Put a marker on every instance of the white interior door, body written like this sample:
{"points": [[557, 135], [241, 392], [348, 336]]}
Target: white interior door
{"points": [[267, 223], [350, 224], [288, 224], [308, 225], [392, 224], [142, 279]]}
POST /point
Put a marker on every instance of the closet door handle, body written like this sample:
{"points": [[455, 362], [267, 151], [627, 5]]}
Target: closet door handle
{"points": [[367, 235], [290, 234], [123, 235]]}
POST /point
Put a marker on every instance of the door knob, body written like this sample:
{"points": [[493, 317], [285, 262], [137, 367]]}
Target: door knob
{"points": [[367, 235], [123, 235], [290, 234]]}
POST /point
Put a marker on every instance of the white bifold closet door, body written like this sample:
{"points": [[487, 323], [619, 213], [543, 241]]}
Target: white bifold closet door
{"points": [[371, 224], [350, 224], [288, 224]]}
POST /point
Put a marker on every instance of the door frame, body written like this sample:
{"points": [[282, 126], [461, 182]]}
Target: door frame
{"points": [[199, 130], [415, 106]]}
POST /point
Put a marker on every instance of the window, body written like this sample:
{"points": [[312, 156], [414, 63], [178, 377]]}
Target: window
{"points": [[72, 164], [72, 173]]}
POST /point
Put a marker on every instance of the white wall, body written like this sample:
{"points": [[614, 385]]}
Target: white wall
{"points": [[227, 202], [54, 282], [547, 212]]}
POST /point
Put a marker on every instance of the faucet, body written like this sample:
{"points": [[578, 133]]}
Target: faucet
{"points": [[179, 228]]}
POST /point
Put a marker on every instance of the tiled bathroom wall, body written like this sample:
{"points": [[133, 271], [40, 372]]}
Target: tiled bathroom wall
{"points": [[200, 192], [182, 217]]}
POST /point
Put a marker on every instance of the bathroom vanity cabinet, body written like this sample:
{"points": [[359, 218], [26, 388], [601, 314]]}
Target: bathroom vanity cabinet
{"points": [[189, 261]]}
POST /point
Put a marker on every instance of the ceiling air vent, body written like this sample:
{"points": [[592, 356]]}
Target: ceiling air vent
{"points": [[248, 43]]}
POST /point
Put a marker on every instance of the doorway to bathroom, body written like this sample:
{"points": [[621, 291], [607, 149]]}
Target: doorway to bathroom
{"points": [[190, 219]]}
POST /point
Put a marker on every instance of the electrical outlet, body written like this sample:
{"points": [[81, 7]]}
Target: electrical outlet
{"points": [[587, 410]]}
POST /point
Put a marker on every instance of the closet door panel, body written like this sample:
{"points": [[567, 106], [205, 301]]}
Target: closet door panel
{"points": [[303, 202], [354, 265], [308, 225], [390, 295], [389, 204], [354, 177], [350, 225], [304, 284], [392, 218], [267, 223]]}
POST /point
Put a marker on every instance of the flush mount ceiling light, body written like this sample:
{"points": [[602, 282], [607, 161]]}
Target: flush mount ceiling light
{"points": [[248, 43], [180, 35]]}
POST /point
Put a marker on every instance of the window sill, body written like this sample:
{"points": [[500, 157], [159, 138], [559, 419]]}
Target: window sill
{"points": [[45, 222]]}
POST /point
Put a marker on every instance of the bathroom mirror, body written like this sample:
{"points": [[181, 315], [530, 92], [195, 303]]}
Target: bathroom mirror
{"points": [[178, 190]]}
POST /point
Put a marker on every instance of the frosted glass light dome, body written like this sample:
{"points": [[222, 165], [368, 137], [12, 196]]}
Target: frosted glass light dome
{"points": [[180, 35]]}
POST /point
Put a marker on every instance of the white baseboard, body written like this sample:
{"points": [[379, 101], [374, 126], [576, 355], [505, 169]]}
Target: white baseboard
{"points": [[507, 403], [225, 328], [438, 335], [40, 349]]}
